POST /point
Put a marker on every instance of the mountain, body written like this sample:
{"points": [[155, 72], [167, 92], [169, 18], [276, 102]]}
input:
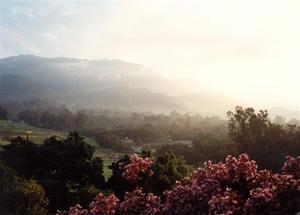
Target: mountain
{"points": [[83, 83], [79, 74], [113, 84], [18, 88]]}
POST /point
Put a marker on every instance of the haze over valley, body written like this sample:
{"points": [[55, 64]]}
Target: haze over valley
{"points": [[108, 84], [103, 84]]}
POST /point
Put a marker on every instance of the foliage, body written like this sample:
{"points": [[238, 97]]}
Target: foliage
{"points": [[31, 198], [167, 169], [137, 168], [18, 196], [292, 166], [208, 143], [86, 194], [137, 202], [246, 127], [100, 206], [141, 171], [266, 142], [62, 167], [3, 113], [22, 156], [235, 186], [116, 182], [107, 138]]}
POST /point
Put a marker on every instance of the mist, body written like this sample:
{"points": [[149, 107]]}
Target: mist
{"points": [[247, 51]]}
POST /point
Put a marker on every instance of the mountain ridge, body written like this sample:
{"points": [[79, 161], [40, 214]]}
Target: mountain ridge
{"points": [[101, 83]]}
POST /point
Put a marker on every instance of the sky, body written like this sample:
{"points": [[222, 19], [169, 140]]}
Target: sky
{"points": [[248, 50]]}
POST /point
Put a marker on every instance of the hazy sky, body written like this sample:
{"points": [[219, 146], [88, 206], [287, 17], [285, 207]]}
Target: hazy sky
{"points": [[249, 50]]}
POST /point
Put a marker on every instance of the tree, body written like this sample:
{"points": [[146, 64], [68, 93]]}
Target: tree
{"points": [[266, 142], [19, 196], [167, 169], [8, 181], [116, 182], [61, 166], [22, 156], [31, 117], [246, 127], [106, 138], [86, 195], [279, 120], [81, 121], [47, 120], [31, 199], [96, 176], [3, 113], [71, 160]]}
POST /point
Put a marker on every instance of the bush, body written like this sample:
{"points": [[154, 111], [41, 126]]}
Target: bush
{"points": [[19, 196], [235, 186]]}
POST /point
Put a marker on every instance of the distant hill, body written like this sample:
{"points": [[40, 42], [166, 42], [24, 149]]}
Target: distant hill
{"points": [[15, 87], [113, 84], [79, 74]]}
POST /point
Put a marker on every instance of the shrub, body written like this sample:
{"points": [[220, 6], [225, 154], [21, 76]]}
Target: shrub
{"points": [[235, 186]]}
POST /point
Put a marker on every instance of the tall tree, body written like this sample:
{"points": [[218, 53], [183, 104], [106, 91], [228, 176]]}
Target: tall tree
{"points": [[3, 113], [167, 169]]}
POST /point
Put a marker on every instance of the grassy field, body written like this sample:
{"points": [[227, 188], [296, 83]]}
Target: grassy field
{"points": [[10, 129]]}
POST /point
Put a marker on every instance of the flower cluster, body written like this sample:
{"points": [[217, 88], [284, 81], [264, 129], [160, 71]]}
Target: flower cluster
{"points": [[227, 201], [137, 202], [104, 205], [233, 187], [292, 166], [101, 205], [138, 166], [76, 210]]}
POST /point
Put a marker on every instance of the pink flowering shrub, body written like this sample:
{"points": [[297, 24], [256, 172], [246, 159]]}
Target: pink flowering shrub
{"points": [[76, 210], [227, 201], [101, 205], [137, 202], [235, 186], [104, 205], [138, 166], [292, 166]]}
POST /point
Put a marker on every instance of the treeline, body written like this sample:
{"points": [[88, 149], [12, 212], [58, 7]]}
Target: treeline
{"points": [[120, 130], [250, 132], [64, 119], [123, 133], [56, 116]]}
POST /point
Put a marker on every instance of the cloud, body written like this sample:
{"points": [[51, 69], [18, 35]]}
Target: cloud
{"points": [[15, 42], [17, 12]]}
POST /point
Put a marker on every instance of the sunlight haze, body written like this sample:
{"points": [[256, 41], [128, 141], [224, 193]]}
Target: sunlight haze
{"points": [[246, 50]]}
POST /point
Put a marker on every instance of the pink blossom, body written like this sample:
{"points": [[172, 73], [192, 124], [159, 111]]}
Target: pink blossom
{"points": [[231, 187], [136, 167]]}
